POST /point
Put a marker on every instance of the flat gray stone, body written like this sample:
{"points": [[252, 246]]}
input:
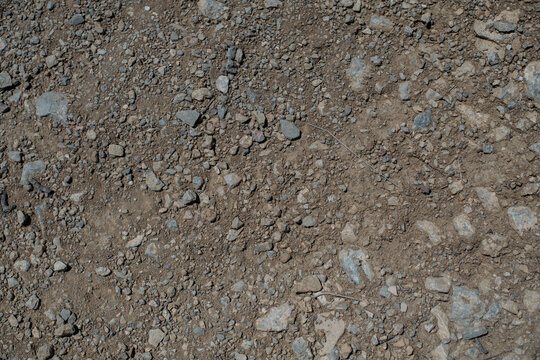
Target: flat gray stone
{"points": [[116, 150], [222, 84], [422, 120], [403, 90], [535, 147], [30, 169], [438, 284], [474, 332], [232, 179], [45, 352], [308, 284], [76, 19], [356, 73], [302, 349], [433, 232], [349, 259], [189, 117], [211, 9], [103, 271], [272, 4], [463, 226], [52, 104], [155, 336], [277, 319], [289, 130], [153, 182], [380, 23], [522, 219], [33, 302], [531, 300], [189, 197], [15, 156], [5, 80], [532, 79], [466, 305]]}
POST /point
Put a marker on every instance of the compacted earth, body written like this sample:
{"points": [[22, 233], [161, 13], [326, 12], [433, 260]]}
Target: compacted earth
{"points": [[269, 179]]}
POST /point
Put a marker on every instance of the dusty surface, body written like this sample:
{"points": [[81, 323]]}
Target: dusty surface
{"points": [[169, 190]]}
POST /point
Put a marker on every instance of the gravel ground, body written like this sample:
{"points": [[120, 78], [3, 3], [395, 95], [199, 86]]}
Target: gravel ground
{"points": [[337, 179]]}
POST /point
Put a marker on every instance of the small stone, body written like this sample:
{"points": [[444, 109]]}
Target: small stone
{"points": [[211, 8], [153, 182], [258, 136], [535, 147], [116, 150], [532, 79], [54, 104], [403, 90], [5, 80], [65, 330], [289, 130], [277, 319], [309, 221], [522, 219], [433, 232], [76, 19], [51, 61], [30, 169], [60, 266], [103, 271], [474, 332], [504, 27], [155, 336], [201, 94], [222, 84], [463, 226], [302, 349], [189, 197], [33, 302], [135, 242], [487, 149], [422, 120], [189, 117], [309, 284], [531, 300], [232, 179], [45, 352], [15, 156], [349, 234], [272, 4], [380, 23], [466, 305], [172, 225], [438, 284], [349, 260], [493, 245], [356, 73], [488, 199], [455, 187], [22, 218], [21, 265]]}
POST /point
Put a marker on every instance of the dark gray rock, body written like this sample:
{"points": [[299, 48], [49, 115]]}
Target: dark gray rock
{"points": [[422, 120], [189, 117], [76, 19], [5, 80], [474, 332]]}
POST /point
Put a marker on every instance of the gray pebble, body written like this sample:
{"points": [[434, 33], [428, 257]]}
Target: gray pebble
{"points": [[289, 130], [103, 271], [76, 19], [5, 80], [15, 156], [422, 120], [189, 117]]}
